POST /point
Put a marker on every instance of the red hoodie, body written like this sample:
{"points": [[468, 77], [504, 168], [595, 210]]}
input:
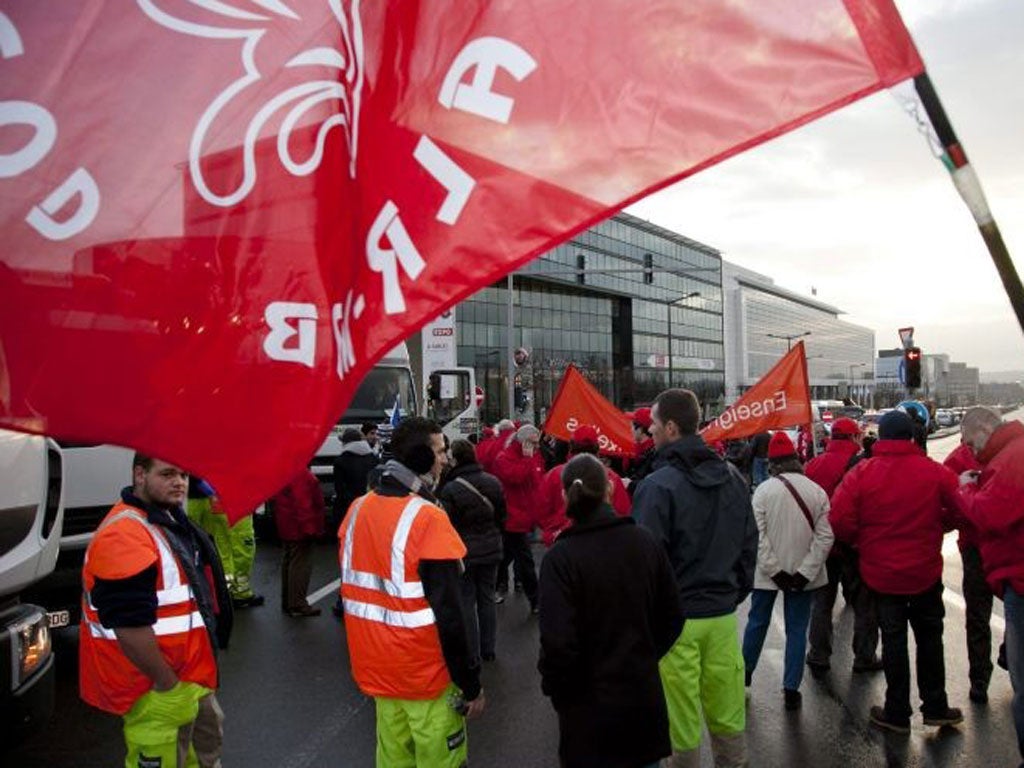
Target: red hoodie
{"points": [[521, 478], [553, 519], [827, 470], [996, 507], [895, 508]]}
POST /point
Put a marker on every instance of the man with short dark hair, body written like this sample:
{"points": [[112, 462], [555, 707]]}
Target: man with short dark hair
{"points": [[994, 503], [154, 609], [698, 507], [407, 635], [369, 430]]}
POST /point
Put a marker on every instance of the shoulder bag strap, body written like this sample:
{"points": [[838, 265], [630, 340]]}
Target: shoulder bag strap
{"points": [[474, 489], [799, 500]]}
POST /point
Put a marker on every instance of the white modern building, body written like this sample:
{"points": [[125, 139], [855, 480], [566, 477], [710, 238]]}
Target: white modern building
{"points": [[762, 320]]}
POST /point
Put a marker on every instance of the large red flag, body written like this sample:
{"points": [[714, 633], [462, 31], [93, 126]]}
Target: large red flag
{"points": [[577, 402], [780, 398], [218, 215]]}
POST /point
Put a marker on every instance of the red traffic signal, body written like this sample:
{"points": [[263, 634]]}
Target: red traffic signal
{"points": [[912, 367]]}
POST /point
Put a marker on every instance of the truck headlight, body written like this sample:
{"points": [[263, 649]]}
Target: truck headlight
{"points": [[31, 644]]}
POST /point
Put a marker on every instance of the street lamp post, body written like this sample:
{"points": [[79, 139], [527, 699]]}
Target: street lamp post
{"points": [[668, 307], [788, 338], [851, 367]]}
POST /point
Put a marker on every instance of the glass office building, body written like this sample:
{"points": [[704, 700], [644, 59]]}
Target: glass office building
{"points": [[763, 319], [610, 301]]}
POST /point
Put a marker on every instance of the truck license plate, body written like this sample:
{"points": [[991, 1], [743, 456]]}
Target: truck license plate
{"points": [[58, 618]]}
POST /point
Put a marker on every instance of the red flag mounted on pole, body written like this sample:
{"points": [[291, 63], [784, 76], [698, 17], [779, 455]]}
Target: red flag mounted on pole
{"points": [[201, 262], [577, 402], [780, 398]]}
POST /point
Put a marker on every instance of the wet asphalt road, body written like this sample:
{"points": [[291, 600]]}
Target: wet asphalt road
{"points": [[291, 703]]}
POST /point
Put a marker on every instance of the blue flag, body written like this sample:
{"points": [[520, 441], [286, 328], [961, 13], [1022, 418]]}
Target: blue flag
{"points": [[396, 412]]}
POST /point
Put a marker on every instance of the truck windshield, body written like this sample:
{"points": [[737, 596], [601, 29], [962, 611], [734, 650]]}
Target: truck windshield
{"points": [[376, 394]]}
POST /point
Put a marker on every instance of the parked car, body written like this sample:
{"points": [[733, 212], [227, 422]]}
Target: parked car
{"points": [[945, 418]]}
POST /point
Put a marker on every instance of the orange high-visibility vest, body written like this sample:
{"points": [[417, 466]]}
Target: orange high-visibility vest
{"points": [[393, 643], [125, 544]]}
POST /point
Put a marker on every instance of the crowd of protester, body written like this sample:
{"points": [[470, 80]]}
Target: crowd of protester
{"points": [[644, 563]]}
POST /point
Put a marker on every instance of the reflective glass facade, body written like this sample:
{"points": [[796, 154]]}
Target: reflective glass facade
{"points": [[615, 325], [840, 354]]}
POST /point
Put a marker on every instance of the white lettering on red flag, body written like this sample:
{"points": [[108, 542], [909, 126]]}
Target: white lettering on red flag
{"points": [[218, 215]]}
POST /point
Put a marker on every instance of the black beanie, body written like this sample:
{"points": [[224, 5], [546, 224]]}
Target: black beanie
{"points": [[895, 425]]}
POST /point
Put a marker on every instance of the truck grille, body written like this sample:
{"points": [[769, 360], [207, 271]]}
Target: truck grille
{"points": [[79, 520]]}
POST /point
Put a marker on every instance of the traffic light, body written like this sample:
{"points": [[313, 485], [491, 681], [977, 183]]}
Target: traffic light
{"points": [[581, 268], [648, 269], [912, 367]]}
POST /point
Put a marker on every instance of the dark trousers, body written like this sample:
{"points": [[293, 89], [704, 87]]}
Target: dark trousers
{"points": [[519, 554], [978, 598], [478, 604], [924, 612], [843, 568], [296, 568]]}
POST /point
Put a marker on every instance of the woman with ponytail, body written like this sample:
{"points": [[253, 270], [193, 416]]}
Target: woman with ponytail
{"points": [[609, 610]]}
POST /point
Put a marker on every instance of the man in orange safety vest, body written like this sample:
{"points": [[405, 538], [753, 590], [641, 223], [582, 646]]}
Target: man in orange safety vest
{"points": [[407, 634], [154, 608]]}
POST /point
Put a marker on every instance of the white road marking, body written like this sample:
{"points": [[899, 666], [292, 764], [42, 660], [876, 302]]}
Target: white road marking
{"points": [[323, 592]]}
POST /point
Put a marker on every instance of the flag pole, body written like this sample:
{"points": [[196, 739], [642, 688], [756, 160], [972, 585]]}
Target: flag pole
{"points": [[967, 184]]}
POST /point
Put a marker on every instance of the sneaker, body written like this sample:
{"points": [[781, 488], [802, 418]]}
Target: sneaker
{"points": [[818, 668], [978, 695], [792, 698], [874, 664], [952, 716], [880, 719]]}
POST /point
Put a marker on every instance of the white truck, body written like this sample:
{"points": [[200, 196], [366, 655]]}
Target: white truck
{"points": [[31, 516], [448, 395]]}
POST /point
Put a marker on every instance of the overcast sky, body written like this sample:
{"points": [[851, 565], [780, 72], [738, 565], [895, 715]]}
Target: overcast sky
{"points": [[856, 206]]}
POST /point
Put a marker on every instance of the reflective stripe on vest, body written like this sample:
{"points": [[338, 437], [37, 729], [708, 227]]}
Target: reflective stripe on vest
{"points": [[173, 592], [396, 586]]}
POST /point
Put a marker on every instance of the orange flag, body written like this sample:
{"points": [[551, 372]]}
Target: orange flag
{"points": [[782, 398], [576, 403]]}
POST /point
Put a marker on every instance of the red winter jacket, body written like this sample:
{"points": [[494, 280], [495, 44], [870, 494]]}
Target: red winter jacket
{"points": [[521, 478], [895, 507], [827, 470], [299, 510], [553, 519], [996, 507], [959, 461], [489, 448]]}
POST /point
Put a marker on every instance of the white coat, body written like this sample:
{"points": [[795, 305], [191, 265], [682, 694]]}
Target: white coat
{"points": [[785, 539]]}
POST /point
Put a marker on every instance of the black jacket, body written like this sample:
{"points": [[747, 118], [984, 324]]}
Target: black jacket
{"points": [[479, 526], [351, 474], [698, 507], [609, 610]]}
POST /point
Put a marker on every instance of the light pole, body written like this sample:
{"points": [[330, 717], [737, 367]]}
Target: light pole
{"points": [[849, 387], [788, 338], [668, 307]]}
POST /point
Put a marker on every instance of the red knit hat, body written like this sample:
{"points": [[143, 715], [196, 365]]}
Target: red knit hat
{"points": [[845, 428], [641, 416], [780, 446], [585, 434]]}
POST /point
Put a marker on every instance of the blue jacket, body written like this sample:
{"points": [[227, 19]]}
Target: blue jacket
{"points": [[698, 507]]}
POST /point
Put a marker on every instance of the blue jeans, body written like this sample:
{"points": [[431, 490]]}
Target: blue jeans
{"points": [[1013, 609], [759, 470], [797, 606]]}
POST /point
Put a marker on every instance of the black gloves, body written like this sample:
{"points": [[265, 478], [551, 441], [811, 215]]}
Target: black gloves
{"points": [[783, 580], [790, 582]]}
